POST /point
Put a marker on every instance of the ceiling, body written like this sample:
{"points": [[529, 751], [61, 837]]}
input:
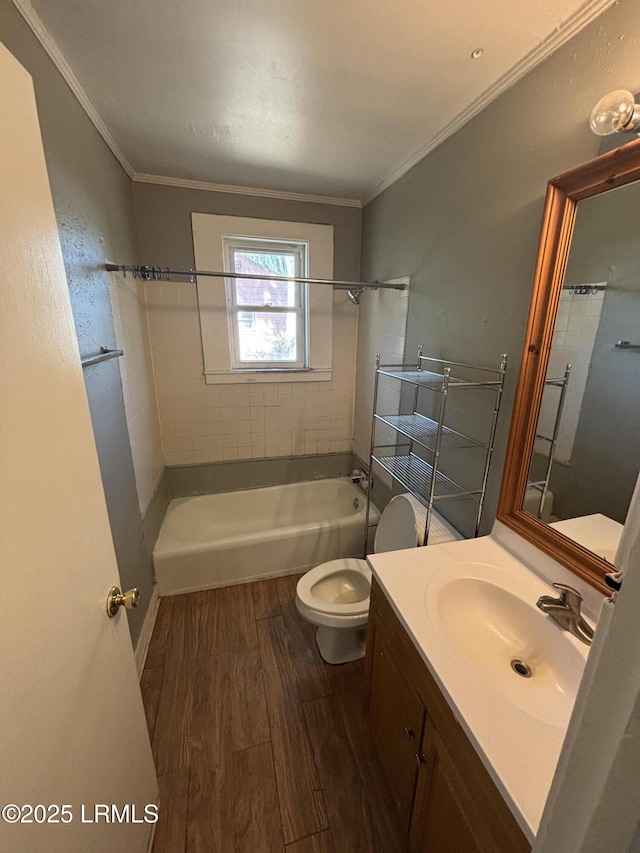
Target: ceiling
{"points": [[330, 98]]}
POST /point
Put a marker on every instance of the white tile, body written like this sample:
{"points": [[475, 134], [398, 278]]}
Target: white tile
{"points": [[200, 443], [180, 444]]}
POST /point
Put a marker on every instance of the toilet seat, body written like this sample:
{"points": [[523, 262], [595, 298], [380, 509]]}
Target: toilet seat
{"points": [[319, 600], [399, 524]]}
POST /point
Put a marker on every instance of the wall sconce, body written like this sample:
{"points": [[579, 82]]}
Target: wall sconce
{"points": [[614, 113]]}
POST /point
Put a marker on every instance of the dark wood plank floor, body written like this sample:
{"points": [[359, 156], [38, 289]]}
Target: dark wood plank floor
{"points": [[260, 747]]}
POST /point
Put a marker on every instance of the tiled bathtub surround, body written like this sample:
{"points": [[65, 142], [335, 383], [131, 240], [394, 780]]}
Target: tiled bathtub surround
{"points": [[382, 329], [136, 373], [210, 478], [209, 423], [573, 341]]}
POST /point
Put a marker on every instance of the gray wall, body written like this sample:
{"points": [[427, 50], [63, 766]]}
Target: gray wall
{"points": [[464, 222], [606, 454], [94, 208], [164, 223]]}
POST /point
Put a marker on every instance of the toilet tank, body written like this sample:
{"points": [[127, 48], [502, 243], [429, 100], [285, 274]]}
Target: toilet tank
{"points": [[532, 503]]}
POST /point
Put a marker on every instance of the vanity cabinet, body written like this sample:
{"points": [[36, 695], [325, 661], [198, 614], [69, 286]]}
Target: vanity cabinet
{"points": [[397, 716], [445, 797]]}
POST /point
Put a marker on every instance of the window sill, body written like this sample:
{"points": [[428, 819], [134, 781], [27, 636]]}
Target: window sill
{"points": [[238, 377]]}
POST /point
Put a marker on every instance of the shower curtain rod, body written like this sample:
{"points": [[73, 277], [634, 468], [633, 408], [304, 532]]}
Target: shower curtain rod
{"points": [[166, 274]]}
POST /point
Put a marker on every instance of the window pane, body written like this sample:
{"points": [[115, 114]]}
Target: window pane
{"points": [[260, 292], [268, 336]]}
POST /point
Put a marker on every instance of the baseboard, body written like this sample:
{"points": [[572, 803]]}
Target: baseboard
{"points": [[147, 630], [152, 834]]}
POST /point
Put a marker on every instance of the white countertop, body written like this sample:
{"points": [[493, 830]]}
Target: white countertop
{"points": [[595, 532], [520, 751]]}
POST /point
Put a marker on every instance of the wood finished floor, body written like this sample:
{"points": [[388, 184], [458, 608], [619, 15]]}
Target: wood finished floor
{"points": [[260, 747]]}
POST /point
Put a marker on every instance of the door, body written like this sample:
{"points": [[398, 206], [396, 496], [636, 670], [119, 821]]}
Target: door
{"points": [[446, 817], [72, 729], [397, 719]]}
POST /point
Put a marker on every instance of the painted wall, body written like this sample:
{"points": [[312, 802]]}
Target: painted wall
{"points": [[94, 210], [207, 423], [464, 222]]}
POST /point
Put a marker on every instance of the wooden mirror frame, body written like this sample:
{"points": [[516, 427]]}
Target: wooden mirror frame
{"points": [[609, 171]]}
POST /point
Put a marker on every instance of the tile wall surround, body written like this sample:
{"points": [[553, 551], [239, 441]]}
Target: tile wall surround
{"points": [[382, 328], [156, 511], [136, 373], [214, 477], [213, 423], [574, 338]]}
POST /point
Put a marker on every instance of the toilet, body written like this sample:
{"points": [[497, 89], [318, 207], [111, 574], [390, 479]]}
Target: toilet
{"points": [[335, 595]]}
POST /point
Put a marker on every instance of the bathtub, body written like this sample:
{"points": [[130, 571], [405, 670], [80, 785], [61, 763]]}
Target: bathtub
{"points": [[235, 537]]}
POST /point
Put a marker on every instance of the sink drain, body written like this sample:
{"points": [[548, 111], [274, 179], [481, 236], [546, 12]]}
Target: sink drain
{"points": [[521, 668]]}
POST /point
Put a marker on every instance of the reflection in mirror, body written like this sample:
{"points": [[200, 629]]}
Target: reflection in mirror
{"points": [[586, 454]]}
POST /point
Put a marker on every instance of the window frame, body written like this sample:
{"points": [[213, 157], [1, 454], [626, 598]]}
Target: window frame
{"points": [[208, 232], [300, 250]]}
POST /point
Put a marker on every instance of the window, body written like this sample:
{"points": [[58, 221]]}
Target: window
{"points": [[267, 319], [256, 330]]}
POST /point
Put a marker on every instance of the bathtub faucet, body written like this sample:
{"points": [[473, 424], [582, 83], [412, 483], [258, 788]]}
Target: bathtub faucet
{"points": [[359, 478]]}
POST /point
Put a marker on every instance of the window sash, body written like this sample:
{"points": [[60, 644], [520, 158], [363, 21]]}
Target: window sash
{"points": [[234, 309]]}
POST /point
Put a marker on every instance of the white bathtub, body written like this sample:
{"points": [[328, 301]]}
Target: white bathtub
{"points": [[235, 537]]}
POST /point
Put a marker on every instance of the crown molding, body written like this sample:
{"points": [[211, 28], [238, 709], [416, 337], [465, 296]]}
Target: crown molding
{"points": [[52, 50], [255, 191], [583, 16]]}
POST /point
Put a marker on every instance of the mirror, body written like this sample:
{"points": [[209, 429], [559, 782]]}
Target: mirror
{"points": [[574, 449]]}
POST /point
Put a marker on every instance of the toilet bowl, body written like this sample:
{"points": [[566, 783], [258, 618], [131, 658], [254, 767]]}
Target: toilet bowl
{"points": [[335, 595]]}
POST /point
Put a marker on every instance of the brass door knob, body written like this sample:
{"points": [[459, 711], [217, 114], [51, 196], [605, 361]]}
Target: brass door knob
{"points": [[117, 599]]}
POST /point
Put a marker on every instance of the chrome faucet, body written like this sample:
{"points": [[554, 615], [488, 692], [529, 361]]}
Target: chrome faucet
{"points": [[565, 610]]}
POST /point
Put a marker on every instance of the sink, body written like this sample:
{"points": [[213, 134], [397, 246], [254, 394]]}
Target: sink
{"points": [[503, 641]]}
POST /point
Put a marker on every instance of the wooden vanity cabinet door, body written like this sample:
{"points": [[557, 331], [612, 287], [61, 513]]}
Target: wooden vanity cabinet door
{"points": [[451, 804], [397, 719], [445, 817]]}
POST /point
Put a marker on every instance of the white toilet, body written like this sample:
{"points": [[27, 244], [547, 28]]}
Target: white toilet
{"points": [[335, 595]]}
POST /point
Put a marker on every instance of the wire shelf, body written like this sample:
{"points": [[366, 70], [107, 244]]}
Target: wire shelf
{"points": [[434, 381], [416, 475], [424, 430]]}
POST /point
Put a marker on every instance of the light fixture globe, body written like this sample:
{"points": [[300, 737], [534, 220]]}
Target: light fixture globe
{"points": [[615, 112]]}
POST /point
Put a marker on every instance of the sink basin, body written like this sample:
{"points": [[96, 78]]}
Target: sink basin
{"points": [[506, 643]]}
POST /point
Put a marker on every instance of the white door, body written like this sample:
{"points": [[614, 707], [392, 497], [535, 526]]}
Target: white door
{"points": [[72, 728]]}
